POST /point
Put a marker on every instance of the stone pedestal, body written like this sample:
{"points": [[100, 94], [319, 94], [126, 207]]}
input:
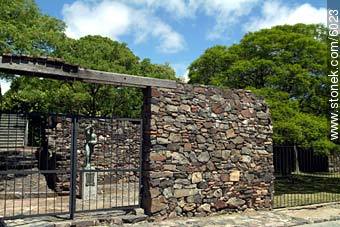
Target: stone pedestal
{"points": [[89, 184]]}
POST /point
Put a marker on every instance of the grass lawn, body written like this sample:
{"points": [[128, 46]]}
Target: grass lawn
{"points": [[306, 188]]}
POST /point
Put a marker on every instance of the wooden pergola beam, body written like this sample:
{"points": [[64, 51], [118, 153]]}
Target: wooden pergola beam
{"points": [[56, 69]]}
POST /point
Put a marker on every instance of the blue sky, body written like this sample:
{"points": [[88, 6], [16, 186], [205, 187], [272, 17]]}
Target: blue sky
{"points": [[178, 31]]}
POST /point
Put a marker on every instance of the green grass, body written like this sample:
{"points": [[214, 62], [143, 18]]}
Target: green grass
{"points": [[306, 188]]}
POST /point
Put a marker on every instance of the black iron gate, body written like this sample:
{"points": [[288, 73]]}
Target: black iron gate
{"points": [[43, 164]]}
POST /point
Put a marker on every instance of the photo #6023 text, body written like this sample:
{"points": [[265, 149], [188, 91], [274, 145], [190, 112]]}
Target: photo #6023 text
{"points": [[333, 70]]}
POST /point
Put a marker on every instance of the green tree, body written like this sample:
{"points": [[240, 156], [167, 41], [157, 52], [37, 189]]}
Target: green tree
{"points": [[160, 71], [25, 30], [288, 66], [212, 65]]}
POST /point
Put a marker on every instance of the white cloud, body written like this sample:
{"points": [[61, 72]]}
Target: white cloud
{"points": [[224, 12], [276, 13], [148, 25], [114, 19], [175, 8], [228, 13], [107, 19]]}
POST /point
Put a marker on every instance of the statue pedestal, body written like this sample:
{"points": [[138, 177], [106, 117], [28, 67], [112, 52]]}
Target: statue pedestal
{"points": [[88, 184]]}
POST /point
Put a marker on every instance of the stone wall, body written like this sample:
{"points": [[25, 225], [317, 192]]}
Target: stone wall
{"points": [[205, 150]]}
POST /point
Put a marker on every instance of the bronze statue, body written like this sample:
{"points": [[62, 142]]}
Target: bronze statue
{"points": [[91, 141]]}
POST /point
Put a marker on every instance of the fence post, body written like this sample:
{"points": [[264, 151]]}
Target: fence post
{"points": [[73, 174]]}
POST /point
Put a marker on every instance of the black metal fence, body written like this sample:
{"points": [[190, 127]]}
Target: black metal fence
{"points": [[304, 177], [42, 164]]}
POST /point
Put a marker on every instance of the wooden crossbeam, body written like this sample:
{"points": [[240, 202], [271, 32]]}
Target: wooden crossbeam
{"points": [[56, 69]]}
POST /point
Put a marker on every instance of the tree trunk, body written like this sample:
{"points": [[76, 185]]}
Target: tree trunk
{"points": [[297, 168]]}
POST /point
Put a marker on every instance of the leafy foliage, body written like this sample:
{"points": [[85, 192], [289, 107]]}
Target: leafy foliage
{"points": [[287, 65], [25, 30]]}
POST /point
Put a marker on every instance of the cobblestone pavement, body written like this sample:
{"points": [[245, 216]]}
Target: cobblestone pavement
{"points": [[324, 224], [284, 217], [314, 216], [255, 219]]}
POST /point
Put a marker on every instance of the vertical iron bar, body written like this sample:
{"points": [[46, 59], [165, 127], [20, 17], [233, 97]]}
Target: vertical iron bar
{"points": [[97, 162], [111, 166], [319, 176], [331, 176], [103, 189], [279, 172], [64, 124], [278, 169], [73, 177], [288, 167], [23, 169], [39, 164], [44, 139], [7, 145], [32, 162], [335, 170], [129, 165], [282, 169], [335, 173], [285, 170], [296, 196], [82, 174], [123, 164], [140, 163], [55, 169], [90, 198], [306, 170], [13, 165], [17, 155], [104, 157], [291, 159], [310, 170], [279, 159], [324, 181], [116, 161]]}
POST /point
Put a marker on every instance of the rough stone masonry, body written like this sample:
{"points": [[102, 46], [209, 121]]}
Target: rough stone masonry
{"points": [[205, 150], [118, 147]]}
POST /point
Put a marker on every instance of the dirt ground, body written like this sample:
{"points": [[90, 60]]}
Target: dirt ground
{"points": [[108, 196]]}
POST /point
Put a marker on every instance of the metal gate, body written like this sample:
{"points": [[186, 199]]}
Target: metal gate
{"points": [[52, 164]]}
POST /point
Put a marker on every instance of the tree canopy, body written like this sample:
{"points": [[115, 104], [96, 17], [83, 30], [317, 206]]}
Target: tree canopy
{"points": [[25, 30], [287, 65]]}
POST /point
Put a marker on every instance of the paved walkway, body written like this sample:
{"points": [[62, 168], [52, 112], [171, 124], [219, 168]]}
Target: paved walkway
{"points": [[314, 216], [284, 217], [324, 224]]}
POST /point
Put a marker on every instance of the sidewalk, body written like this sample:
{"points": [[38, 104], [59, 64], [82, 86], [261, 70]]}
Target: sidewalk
{"points": [[282, 217]]}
